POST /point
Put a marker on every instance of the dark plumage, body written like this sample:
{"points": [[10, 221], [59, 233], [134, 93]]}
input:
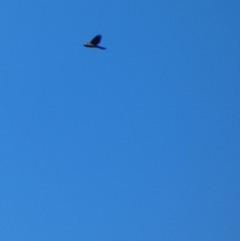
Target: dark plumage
{"points": [[94, 42]]}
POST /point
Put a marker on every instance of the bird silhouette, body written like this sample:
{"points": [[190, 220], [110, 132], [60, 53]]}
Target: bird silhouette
{"points": [[94, 42]]}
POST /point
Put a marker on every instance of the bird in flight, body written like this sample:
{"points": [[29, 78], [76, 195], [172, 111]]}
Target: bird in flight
{"points": [[94, 42]]}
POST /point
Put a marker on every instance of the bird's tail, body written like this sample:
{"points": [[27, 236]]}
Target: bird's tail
{"points": [[101, 47]]}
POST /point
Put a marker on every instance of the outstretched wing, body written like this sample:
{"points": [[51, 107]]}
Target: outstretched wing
{"points": [[96, 40]]}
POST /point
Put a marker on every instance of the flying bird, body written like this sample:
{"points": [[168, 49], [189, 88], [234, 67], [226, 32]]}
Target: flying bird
{"points": [[94, 42]]}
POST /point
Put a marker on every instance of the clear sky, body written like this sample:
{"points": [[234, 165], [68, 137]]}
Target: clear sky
{"points": [[137, 142]]}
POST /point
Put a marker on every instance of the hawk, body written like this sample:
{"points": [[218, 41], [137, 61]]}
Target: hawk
{"points": [[94, 42]]}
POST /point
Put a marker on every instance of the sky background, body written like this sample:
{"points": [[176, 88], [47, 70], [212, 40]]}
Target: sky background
{"points": [[137, 142]]}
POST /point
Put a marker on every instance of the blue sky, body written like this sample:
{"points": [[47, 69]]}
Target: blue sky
{"points": [[137, 142]]}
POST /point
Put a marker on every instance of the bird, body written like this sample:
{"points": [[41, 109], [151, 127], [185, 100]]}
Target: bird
{"points": [[94, 42]]}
